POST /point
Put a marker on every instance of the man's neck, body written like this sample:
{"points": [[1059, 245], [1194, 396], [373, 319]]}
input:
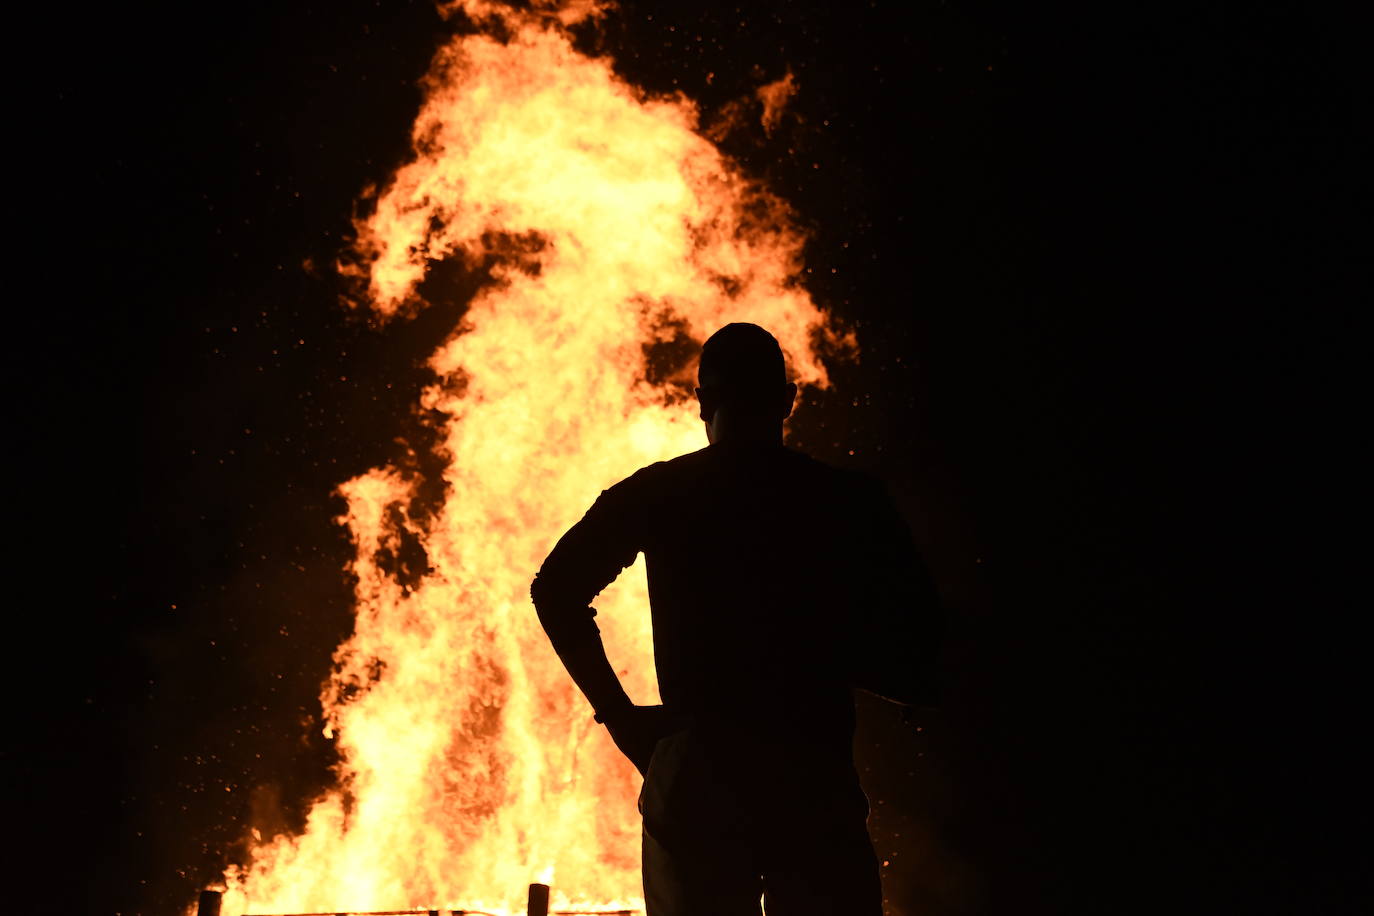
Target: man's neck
{"points": [[728, 436]]}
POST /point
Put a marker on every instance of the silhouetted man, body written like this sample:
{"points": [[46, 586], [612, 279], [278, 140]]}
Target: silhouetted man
{"points": [[776, 584]]}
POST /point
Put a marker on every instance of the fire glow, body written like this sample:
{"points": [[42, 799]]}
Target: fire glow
{"points": [[469, 765]]}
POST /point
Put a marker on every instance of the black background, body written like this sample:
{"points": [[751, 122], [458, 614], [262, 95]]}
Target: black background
{"points": [[1094, 258]]}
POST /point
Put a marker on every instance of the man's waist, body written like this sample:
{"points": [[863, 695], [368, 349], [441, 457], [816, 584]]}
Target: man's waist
{"points": [[829, 711]]}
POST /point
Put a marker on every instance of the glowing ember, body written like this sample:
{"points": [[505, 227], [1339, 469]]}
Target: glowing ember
{"points": [[470, 766]]}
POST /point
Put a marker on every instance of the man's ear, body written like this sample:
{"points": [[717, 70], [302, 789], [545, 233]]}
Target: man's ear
{"points": [[789, 400], [708, 404]]}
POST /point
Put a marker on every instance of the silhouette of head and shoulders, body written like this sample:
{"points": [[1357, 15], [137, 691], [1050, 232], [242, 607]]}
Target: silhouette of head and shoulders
{"points": [[744, 398], [743, 389]]}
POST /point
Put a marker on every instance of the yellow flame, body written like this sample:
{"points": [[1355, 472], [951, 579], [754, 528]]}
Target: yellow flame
{"points": [[470, 766]]}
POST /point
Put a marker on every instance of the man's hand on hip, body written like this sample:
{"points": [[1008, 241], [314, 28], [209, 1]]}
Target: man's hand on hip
{"points": [[636, 729]]}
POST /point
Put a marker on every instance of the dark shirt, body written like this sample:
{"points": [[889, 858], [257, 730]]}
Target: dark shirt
{"points": [[776, 583]]}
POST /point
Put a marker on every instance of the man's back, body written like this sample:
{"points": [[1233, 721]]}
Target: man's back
{"points": [[776, 583], [770, 575]]}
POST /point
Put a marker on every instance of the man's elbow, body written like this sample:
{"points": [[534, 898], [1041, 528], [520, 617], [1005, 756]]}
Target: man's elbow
{"points": [[564, 621], [538, 591], [544, 601]]}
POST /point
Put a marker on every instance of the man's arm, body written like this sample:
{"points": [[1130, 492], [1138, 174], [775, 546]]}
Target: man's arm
{"points": [[900, 622], [583, 562]]}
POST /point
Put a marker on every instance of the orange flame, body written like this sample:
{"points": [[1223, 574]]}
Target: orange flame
{"points": [[470, 766]]}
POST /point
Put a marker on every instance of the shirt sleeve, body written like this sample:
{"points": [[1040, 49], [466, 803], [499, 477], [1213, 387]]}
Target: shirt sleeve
{"points": [[585, 560]]}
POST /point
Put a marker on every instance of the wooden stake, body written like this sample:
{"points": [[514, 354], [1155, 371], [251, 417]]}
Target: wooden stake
{"points": [[209, 903], [539, 900]]}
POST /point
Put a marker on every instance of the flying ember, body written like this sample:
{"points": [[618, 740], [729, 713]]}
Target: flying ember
{"points": [[470, 766]]}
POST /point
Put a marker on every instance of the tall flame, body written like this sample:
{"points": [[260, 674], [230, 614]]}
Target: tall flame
{"points": [[469, 765]]}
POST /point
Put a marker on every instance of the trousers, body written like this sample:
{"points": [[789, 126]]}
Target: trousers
{"points": [[733, 820]]}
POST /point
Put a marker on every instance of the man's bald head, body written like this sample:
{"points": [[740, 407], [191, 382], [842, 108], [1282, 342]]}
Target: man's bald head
{"points": [[743, 374], [741, 360]]}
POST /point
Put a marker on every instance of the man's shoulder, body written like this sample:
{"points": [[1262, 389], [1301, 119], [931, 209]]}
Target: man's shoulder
{"points": [[851, 479], [785, 461], [659, 472], [788, 463], [666, 472]]}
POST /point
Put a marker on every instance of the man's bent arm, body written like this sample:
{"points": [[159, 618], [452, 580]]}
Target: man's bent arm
{"points": [[585, 659], [585, 560], [904, 632]]}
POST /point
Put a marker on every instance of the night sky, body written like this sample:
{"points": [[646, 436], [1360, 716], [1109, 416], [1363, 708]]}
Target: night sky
{"points": [[1093, 260]]}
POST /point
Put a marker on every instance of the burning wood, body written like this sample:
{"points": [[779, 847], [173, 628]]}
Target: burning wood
{"points": [[211, 901]]}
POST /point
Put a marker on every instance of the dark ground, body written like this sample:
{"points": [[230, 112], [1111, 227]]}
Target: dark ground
{"points": [[1096, 261]]}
